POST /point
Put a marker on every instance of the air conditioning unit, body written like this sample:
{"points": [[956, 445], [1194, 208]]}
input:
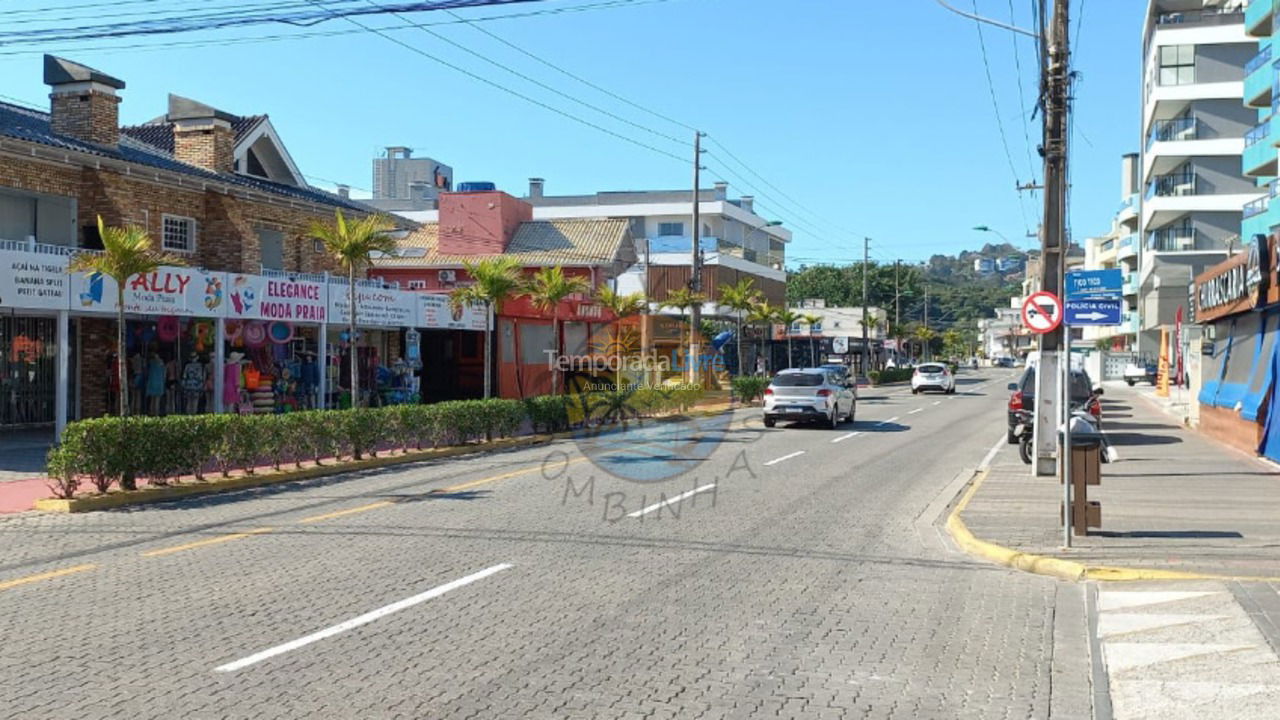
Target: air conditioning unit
{"points": [[448, 276]]}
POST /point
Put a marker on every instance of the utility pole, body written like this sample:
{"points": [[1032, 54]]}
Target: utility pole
{"points": [[897, 312], [925, 349], [695, 276], [1053, 241], [866, 348]]}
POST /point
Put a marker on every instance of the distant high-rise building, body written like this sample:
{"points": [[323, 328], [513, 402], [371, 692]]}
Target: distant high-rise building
{"points": [[404, 182]]}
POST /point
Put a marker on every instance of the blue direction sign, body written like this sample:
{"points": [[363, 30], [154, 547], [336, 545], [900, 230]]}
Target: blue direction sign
{"points": [[1094, 284], [1093, 312]]}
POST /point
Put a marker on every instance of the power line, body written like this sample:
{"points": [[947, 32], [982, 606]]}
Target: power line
{"points": [[534, 80], [607, 4], [575, 76], [504, 88], [1004, 140], [1022, 100]]}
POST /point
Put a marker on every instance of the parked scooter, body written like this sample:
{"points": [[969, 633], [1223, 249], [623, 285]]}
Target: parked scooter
{"points": [[1085, 428]]}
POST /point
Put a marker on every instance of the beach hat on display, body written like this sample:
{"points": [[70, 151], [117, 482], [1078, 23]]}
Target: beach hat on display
{"points": [[280, 332], [255, 334], [168, 328], [235, 357]]}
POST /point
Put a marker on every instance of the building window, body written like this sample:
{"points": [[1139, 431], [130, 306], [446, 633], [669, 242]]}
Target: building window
{"points": [[1177, 64], [318, 246], [179, 233], [417, 284], [671, 229]]}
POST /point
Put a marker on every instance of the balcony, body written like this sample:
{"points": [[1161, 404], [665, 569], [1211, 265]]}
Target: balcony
{"points": [[1130, 286], [1127, 247], [1256, 207], [1172, 185], [1258, 76], [1257, 18], [1173, 239], [1259, 156], [1202, 17], [1173, 130]]}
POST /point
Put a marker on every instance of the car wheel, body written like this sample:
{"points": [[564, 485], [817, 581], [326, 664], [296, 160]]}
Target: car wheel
{"points": [[913, 390], [853, 410], [833, 421], [1131, 383], [770, 422]]}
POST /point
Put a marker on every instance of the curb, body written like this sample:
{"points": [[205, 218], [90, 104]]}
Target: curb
{"points": [[163, 493], [1057, 567]]}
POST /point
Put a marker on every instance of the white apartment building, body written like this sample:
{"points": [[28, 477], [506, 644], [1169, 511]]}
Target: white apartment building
{"points": [[1193, 127], [1118, 248]]}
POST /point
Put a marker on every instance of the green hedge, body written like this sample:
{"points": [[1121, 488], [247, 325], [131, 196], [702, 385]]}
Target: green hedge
{"points": [[161, 449], [890, 375], [749, 387]]}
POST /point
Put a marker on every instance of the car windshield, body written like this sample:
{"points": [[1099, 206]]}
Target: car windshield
{"points": [[931, 369], [1080, 386], [797, 380]]}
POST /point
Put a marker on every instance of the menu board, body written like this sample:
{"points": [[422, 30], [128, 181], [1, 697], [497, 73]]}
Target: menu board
{"points": [[33, 280]]}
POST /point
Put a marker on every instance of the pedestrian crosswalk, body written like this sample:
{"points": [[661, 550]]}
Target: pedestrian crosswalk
{"points": [[1190, 653]]}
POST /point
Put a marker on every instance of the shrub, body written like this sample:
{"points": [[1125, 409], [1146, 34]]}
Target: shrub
{"points": [[548, 413], [748, 388]]}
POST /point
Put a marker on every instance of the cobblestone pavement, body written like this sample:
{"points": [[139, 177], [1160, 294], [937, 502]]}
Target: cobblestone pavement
{"points": [[814, 585]]}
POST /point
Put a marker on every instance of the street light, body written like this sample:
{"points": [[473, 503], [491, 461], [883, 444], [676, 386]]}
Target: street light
{"points": [[984, 228]]}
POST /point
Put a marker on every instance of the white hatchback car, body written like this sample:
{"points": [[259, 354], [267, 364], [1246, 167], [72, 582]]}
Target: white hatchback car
{"points": [[809, 395], [932, 376]]}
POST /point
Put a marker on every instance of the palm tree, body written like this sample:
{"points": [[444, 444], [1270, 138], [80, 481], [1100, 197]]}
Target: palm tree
{"points": [[740, 298], [493, 280], [810, 319], [546, 289], [352, 246], [622, 306], [899, 333], [925, 335], [787, 317], [126, 251], [762, 313], [682, 299]]}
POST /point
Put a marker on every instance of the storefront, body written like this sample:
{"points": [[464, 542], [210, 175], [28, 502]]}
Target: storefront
{"points": [[1236, 303], [199, 341]]}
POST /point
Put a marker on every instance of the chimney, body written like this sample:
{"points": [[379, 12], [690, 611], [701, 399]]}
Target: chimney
{"points": [[748, 203], [344, 191], [202, 135], [535, 187], [479, 223], [722, 190], [83, 103]]}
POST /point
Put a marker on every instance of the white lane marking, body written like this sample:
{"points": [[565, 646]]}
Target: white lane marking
{"points": [[886, 422], [675, 499], [361, 620], [986, 461], [846, 437], [775, 461], [913, 412], [937, 402]]}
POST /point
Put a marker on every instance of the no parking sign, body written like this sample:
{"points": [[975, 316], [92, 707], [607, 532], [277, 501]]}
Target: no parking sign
{"points": [[1042, 312]]}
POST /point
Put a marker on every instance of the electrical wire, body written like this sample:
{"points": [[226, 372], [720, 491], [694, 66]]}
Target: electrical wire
{"points": [[535, 81], [219, 20], [1022, 100], [1004, 140], [418, 51]]}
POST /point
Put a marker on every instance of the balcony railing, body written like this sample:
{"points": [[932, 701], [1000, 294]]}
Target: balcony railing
{"points": [[1171, 239], [1201, 17], [1183, 128], [42, 248], [1258, 60], [1172, 185], [1256, 207], [1258, 133]]}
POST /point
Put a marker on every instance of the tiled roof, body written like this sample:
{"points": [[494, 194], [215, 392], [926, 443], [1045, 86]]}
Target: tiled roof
{"points": [[32, 126], [539, 242], [159, 132]]}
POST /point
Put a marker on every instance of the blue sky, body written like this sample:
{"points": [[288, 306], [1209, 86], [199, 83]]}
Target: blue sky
{"points": [[875, 117]]}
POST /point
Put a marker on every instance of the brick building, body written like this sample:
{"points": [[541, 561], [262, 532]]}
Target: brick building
{"points": [[217, 189]]}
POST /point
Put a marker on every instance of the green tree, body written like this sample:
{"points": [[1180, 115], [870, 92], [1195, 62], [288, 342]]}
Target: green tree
{"points": [[683, 299], [787, 317], [740, 297], [126, 251], [762, 314], [493, 281], [925, 336], [811, 320], [352, 245], [622, 306], [546, 289]]}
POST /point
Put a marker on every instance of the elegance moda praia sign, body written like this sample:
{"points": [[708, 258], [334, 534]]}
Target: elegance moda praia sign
{"points": [[254, 297]]}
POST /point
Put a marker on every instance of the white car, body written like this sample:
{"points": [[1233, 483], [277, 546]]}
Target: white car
{"points": [[932, 376], [809, 395]]}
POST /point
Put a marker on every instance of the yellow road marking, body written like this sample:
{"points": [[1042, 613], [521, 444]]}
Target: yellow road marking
{"points": [[202, 543], [504, 476], [349, 511], [45, 576]]}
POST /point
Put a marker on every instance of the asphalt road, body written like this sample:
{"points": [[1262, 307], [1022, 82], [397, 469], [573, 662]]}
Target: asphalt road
{"points": [[795, 572]]}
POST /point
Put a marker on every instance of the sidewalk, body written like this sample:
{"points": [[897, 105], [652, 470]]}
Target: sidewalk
{"points": [[1175, 501]]}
